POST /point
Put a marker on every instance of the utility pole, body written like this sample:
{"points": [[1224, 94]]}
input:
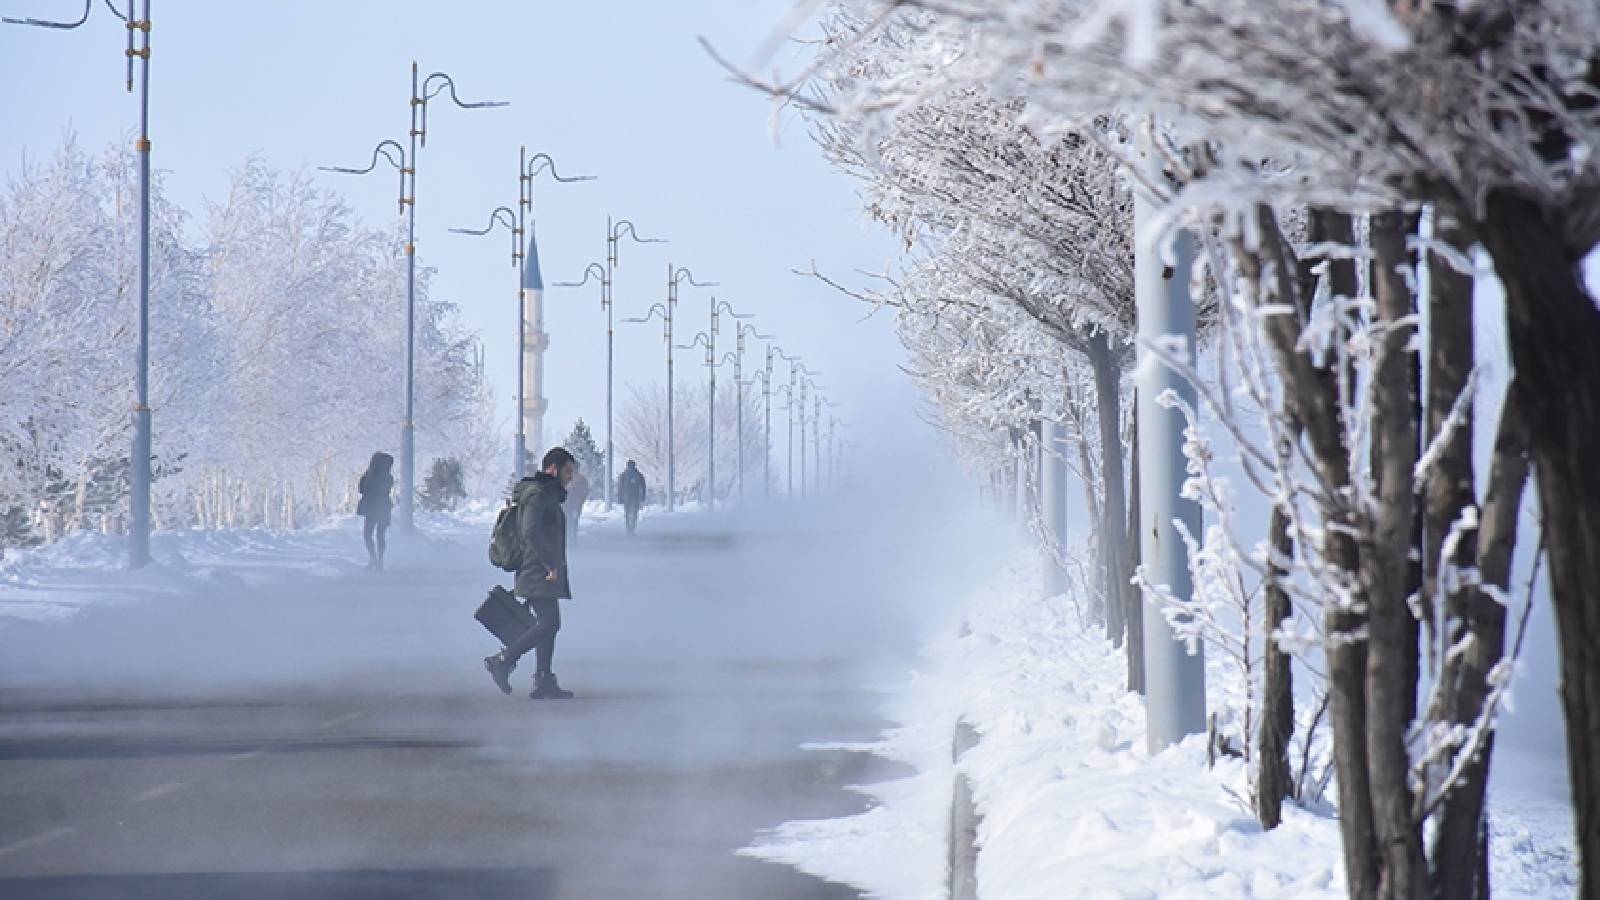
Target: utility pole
{"points": [[530, 285], [422, 91], [1053, 505], [816, 437], [738, 379], [1174, 678], [675, 276], [606, 275], [766, 427], [708, 339], [142, 450]]}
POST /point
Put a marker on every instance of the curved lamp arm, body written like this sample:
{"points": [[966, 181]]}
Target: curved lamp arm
{"points": [[432, 89], [501, 215], [594, 269], [545, 162], [682, 274], [701, 339], [382, 150], [46, 23], [627, 225], [725, 306], [656, 310], [510, 221]]}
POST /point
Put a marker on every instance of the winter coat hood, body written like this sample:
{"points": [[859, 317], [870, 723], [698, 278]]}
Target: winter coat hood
{"points": [[541, 483]]}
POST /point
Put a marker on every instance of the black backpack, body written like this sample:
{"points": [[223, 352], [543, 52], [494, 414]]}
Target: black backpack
{"points": [[505, 544]]}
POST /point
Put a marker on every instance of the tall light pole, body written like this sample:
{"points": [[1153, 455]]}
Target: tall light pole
{"points": [[833, 459], [766, 429], [806, 386], [701, 339], [789, 403], [142, 450], [607, 276], [517, 222], [1175, 679], [531, 302], [816, 436], [739, 383], [421, 92], [675, 276], [775, 352], [709, 339]]}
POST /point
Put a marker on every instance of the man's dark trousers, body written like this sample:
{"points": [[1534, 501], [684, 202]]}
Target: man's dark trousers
{"points": [[541, 638]]}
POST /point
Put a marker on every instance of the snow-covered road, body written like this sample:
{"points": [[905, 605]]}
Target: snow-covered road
{"points": [[296, 726]]}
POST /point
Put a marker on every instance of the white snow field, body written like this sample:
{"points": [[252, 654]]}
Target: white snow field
{"points": [[1073, 805], [64, 579]]}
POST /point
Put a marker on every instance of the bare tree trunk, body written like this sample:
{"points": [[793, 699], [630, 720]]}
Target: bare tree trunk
{"points": [[1274, 781], [1385, 574], [1451, 487], [1554, 328], [1460, 849], [1312, 393], [1113, 537]]}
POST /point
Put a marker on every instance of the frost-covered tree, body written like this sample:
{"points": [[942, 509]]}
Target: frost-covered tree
{"points": [[1292, 135], [642, 437], [581, 444], [276, 351]]}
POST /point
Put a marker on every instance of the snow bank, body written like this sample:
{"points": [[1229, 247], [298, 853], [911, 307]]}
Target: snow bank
{"points": [[1072, 803]]}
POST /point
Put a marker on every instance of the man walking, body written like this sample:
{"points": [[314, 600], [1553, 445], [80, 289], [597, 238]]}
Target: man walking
{"points": [[631, 491], [542, 577]]}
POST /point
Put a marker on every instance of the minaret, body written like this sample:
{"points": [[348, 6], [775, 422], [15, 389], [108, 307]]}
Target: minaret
{"points": [[534, 347]]}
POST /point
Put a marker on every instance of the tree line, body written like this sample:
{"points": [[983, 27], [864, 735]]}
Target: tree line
{"points": [[277, 350], [1351, 174]]}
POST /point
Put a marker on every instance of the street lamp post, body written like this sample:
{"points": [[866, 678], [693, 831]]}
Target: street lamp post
{"points": [[141, 452], [607, 277], [675, 276], [739, 383], [833, 460], [806, 387], [502, 215], [816, 436], [709, 339], [788, 392], [421, 92], [776, 352], [516, 221], [532, 296], [701, 339], [766, 430]]}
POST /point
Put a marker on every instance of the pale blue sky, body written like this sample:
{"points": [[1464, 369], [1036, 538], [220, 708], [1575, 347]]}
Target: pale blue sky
{"points": [[617, 90]]}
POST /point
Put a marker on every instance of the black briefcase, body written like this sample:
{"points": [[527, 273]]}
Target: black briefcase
{"points": [[504, 615]]}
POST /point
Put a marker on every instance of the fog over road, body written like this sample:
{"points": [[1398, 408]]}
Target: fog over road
{"points": [[295, 734]]}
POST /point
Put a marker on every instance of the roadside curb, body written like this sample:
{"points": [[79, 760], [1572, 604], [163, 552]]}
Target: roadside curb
{"points": [[964, 820]]}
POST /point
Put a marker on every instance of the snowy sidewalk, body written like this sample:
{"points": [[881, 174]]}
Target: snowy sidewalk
{"points": [[1072, 805], [59, 582]]}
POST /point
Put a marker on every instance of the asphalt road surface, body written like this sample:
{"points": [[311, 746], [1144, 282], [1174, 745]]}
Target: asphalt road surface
{"points": [[333, 734]]}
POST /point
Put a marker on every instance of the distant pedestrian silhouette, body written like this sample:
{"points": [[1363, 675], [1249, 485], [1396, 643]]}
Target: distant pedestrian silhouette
{"points": [[375, 506], [631, 491]]}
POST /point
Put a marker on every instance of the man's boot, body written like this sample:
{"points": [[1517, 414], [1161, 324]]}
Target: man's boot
{"points": [[500, 670], [546, 688]]}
